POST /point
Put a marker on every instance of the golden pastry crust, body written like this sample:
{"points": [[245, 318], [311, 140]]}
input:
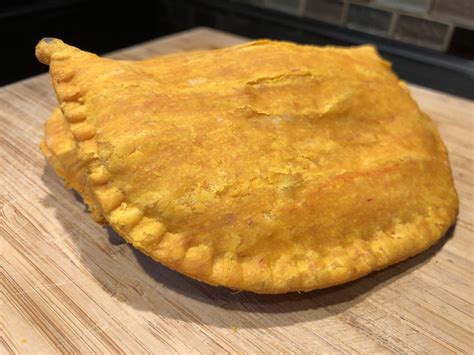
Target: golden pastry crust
{"points": [[268, 167], [60, 149]]}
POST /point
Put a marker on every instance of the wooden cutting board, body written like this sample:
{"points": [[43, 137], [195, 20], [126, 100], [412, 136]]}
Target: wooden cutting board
{"points": [[69, 285]]}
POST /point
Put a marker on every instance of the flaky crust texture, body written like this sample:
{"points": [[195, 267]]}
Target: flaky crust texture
{"points": [[59, 147], [270, 167]]}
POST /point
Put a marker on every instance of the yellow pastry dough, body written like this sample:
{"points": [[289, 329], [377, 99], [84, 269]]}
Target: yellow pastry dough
{"points": [[60, 149], [270, 167]]}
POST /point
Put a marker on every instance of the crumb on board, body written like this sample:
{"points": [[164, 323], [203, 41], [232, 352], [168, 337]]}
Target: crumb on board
{"points": [[234, 327]]}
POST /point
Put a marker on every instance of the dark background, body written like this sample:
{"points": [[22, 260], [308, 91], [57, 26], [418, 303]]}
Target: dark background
{"points": [[103, 26]]}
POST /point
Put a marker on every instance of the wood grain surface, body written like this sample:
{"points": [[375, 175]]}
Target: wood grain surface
{"points": [[70, 285]]}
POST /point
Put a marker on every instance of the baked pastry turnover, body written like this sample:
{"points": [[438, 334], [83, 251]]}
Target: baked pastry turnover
{"points": [[270, 167]]}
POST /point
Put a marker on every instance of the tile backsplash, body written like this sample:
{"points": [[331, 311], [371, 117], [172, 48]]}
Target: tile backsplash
{"points": [[331, 11], [434, 24], [291, 6], [422, 32], [410, 6], [457, 11], [370, 20]]}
